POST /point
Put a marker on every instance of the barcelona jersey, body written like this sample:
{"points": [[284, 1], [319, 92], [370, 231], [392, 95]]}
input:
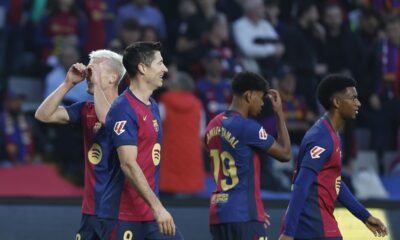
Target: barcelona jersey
{"points": [[320, 154], [233, 142], [96, 146], [131, 122]]}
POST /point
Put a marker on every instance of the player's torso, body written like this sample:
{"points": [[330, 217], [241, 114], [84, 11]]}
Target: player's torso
{"points": [[317, 215], [235, 169], [96, 147], [149, 135]]}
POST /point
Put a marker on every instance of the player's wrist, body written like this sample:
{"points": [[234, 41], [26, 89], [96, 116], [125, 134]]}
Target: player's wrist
{"points": [[67, 84]]}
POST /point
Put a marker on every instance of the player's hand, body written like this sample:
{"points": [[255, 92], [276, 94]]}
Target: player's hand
{"points": [[93, 74], [75, 74], [275, 99], [267, 223], [284, 237], [165, 222], [376, 226]]}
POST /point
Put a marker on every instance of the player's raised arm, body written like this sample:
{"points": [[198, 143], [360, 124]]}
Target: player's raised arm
{"points": [[127, 155], [50, 110], [101, 104], [280, 149]]}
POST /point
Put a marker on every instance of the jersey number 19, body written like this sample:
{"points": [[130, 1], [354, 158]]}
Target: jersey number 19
{"points": [[228, 169]]}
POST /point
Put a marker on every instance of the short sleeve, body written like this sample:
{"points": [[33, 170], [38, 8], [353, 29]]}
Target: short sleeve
{"points": [[256, 135], [121, 124], [74, 111], [318, 151]]}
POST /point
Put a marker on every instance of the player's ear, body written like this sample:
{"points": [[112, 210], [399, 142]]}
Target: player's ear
{"points": [[247, 96], [335, 102], [142, 68], [113, 79]]}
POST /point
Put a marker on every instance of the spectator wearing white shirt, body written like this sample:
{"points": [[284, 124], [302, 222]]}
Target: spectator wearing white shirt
{"points": [[256, 38]]}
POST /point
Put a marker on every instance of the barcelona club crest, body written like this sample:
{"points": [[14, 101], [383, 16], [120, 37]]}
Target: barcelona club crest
{"points": [[96, 127], [155, 124]]}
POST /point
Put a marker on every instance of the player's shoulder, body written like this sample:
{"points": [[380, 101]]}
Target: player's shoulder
{"points": [[121, 102], [153, 102], [318, 134], [121, 105]]}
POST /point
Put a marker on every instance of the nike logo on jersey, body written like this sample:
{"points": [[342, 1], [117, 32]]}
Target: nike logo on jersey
{"points": [[119, 127], [144, 118], [262, 134], [316, 152]]}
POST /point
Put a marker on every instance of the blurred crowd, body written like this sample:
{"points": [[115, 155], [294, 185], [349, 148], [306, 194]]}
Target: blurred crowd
{"points": [[292, 43]]}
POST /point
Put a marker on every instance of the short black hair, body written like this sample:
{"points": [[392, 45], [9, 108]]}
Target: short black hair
{"points": [[303, 7], [139, 52], [130, 24], [331, 85], [248, 81]]}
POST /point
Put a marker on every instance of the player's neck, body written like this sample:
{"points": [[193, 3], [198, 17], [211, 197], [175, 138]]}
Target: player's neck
{"points": [[111, 94], [141, 91], [239, 106], [336, 121]]}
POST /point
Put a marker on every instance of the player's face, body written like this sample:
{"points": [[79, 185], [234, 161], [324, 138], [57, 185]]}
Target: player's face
{"points": [[155, 72], [256, 102], [349, 103], [104, 74]]}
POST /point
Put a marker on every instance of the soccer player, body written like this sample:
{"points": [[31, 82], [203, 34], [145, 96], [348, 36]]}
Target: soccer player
{"points": [[103, 73], [317, 177], [234, 141], [134, 127]]}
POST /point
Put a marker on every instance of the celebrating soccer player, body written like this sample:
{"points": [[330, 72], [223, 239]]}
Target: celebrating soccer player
{"points": [[103, 73], [233, 142], [317, 177], [134, 127]]}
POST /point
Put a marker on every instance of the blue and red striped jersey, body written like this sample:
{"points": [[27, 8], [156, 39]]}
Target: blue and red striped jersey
{"points": [[131, 122], [95, 147], [310, 212], [233, 142]]}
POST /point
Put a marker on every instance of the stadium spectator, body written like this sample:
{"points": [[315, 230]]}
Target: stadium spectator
{"points": [[385, 101], [96, 13], [64, 24], [342, 51], [217, 38], [257, 40], [191, 30], [15, 132], [213, 89], [183, 119], [129, 33], [303, 42], [272, 12], [145, 15], [298, 116], [149, 34]]}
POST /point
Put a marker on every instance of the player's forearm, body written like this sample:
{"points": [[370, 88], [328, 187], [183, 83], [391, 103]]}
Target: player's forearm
{"points": [[283, 138], [347, 199], [101, 104], [298, 199], [50, 105], [135, 175]]}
